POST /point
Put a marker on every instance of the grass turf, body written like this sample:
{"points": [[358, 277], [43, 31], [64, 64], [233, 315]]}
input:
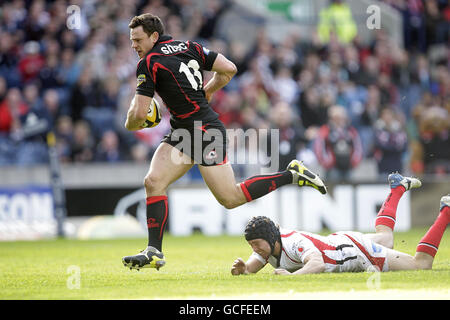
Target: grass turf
{"points": [[197, 267]]}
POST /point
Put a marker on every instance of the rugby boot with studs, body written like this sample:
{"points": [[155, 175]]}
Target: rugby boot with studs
{"points": [[396, 179], [302, 176], [148, 258], [445, 202]]}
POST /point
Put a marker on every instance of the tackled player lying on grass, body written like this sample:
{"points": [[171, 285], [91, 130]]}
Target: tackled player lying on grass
{"points": [[299, 252]]}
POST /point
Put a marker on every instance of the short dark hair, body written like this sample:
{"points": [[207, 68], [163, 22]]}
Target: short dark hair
{"points": [[149, 22]]}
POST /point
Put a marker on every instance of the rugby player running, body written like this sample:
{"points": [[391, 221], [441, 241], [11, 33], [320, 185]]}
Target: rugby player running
{"points": [[174, 69]]}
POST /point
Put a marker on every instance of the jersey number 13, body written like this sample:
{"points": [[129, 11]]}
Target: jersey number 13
{"points": [[191, 76]]}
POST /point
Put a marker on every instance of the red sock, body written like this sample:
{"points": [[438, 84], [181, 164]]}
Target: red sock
{"points": [[388, 212], [430, 242]]}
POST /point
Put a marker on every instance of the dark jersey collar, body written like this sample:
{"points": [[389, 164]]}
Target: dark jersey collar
{"points": [[164, 37]]}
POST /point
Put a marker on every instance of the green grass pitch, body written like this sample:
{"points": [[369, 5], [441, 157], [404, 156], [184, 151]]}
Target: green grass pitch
{"points": [[198, 267]]}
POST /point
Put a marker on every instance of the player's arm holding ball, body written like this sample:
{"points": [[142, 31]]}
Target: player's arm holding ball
{"points": [[142, 101], [137, 113]]}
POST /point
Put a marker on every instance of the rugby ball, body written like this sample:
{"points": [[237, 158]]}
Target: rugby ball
{"points": [[153, 115]]}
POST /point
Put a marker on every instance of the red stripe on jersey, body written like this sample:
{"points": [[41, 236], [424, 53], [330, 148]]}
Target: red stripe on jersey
{"points": [[148, 64], [327, 259], [373, 260], [157, 65], [287, 235], [140, 62], [149, 57], [321, 246], [200, 51], [290, 257]]}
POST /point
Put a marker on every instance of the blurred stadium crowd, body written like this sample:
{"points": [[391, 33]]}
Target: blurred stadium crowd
{"points": [[335, 100]]}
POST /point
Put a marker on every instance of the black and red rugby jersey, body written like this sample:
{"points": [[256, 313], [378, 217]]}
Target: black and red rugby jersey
{"points": [[174, 69]]}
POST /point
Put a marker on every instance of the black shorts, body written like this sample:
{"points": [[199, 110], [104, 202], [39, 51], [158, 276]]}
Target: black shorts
{"points": [[204, 143]]}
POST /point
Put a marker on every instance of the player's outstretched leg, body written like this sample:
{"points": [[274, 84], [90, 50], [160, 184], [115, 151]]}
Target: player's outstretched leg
{"points": [[221, 181], [430, 242], [428, 245], [385, 221], [296, 173]]}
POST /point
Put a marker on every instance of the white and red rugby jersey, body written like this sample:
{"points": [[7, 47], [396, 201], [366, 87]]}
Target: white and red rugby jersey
{"points": [[346, 251]]}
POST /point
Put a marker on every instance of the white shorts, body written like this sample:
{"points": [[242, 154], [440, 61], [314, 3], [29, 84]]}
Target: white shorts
{"points": [[370, 254]]}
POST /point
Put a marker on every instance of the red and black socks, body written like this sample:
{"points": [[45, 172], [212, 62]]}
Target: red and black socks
{"points": [[258, 186], [157, 212]]}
